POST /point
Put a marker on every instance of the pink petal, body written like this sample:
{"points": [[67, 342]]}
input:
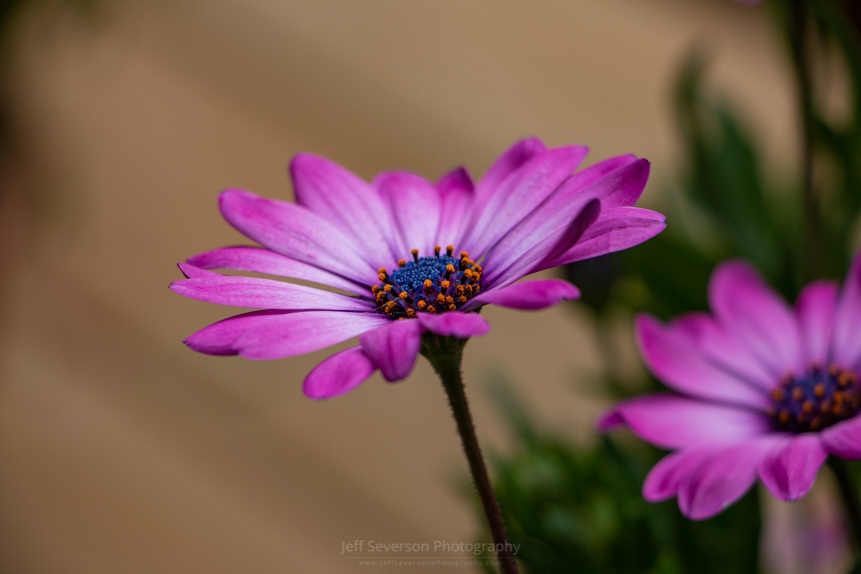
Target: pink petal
{"points": [[844, 439], [568, 238], [302, 332], [725, 353], [194, 272], [415, 204], [219, 338], [508, 163], [790, 468], [295, 232], [847, 343], [554, 214], [265, 293], [259, 260], [722, 478], [626, 191], [816, 307], [346, 201], [751, 313], [457, 179], [393, 348], [454, 324], [615, 229], [499, 273], [520, 194], [456, 198], [674, 359], [339, 374], [673, 421], [665, 478], [593, 179], [529, 295]]}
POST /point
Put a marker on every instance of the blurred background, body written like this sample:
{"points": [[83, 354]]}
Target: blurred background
{"points": [[123, 451]]}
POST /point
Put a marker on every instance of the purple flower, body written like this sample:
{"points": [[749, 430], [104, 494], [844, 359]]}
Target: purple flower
{"points": [[406, 256], [766, 390]]}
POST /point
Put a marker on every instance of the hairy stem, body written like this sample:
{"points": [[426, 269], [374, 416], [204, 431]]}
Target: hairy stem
{"points": [[445, 354]]}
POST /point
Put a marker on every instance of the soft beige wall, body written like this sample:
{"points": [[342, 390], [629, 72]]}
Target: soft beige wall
{"points": [[121, 450]]}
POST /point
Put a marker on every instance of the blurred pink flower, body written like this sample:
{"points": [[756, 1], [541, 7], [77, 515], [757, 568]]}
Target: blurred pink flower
{"points": [[408, 256], [766, 390]]}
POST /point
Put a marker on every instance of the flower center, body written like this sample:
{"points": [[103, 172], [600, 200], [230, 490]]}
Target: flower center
{"points": [[817, 399], [431, 284]]}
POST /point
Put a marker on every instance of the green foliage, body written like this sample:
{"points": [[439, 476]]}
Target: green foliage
{"points": [[723, 208], [568, 507]]}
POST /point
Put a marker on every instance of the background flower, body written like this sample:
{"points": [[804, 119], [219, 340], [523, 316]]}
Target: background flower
{"points": [[766, 390]]}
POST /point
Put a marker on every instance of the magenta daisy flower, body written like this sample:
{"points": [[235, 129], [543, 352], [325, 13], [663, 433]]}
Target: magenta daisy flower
{"points": [[766, 390], [400, 256]]}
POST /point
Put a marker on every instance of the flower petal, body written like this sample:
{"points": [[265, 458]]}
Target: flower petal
{"points": [[847, 343], [292, 334], [415, 205], [750, 312], [530, 295], [723, 478], [790, 468], [665, 478], [844, 439], [343, 199], [265, 293], [456, 197], [296, 232], [600, 182], [615, 229], [673, 358], [520, 194], [454, 324], [520, 262], [219, 338], [625, 190], [673, 421], [816, 307], [393, 348], [509, 162], [339, 374], [725, 353], [259, 260], [194, 272]]}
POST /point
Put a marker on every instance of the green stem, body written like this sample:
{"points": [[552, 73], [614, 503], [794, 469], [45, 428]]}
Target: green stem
{"points": [[798, 20], [445, 354], [851, 506]]}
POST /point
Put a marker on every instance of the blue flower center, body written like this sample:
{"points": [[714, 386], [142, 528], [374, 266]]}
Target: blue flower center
{"points": [[432, 284], [818, 399]]}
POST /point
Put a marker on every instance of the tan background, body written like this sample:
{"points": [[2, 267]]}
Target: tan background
{"points": [[121, 450]]}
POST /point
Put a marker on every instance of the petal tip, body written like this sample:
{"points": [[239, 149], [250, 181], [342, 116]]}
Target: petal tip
{"points": [[610, 420]]}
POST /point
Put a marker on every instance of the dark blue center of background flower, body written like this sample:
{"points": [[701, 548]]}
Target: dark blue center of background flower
{"points": [[816, 400]]}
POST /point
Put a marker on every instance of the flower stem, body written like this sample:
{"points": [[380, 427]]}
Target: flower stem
{"points": [[445, 354], [851, 506], [798, 38]]}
